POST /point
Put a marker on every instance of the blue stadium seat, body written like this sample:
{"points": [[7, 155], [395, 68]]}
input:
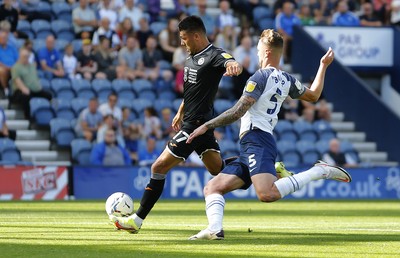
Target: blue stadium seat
{"points": [[61, 132], [283, 125], [60, 9], [308, 151], [9, 151], [24, 26], [176, 104], [288, 135], [167, 94], [266, 23], [327, 135], [62, 88], [45, 84], [165, 65], [147, 94], [41, 28], [227, 146], [140, 104], [60, 45], [291, 158], [83, 88], [78, 104], [43, 7], [286, 146], [63, 109], [322, 146], [346, 146], [102, 87], [80, 151], [41, 111], [77, 45], [310, 157], [261, 12], [324, 130], [305, 131], [160, 145], [124, 89], [160, 104], [38, 44], [157, 27], [139, 85], [221, 105], [62, 30]]}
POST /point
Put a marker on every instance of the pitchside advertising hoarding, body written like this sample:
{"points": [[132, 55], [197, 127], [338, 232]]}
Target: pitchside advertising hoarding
{"points": [[184, 182], [357, 46], [33, 183]]}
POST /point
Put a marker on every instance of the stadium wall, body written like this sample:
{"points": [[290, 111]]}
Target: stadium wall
{"points": [[349, 94]]}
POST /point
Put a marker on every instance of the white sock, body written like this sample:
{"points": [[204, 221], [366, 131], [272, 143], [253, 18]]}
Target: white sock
{"points": [[138, 220], [215, 204], [288, 185]]}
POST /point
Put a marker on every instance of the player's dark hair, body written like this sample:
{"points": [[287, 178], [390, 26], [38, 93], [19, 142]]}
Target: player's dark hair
{"points": [[192, 24]]}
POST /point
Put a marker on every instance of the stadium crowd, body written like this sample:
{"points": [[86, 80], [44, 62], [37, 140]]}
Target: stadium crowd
{"points": [[132, 41]]}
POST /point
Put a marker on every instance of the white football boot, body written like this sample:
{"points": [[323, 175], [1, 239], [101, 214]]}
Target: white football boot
{"points": [[206, 234], [333, 172]]}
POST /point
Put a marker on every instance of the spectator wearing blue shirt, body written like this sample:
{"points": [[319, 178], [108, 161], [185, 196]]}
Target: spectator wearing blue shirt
{"points": [[109, 152], [207, 19], [149, 155], [284, 23], [343, 17], [50, 60], [8, 57]]}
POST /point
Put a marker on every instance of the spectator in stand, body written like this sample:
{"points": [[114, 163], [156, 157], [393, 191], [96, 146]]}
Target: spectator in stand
{"points": [[395, 13], [25, 82], [226, 39], [284, 23], [289, 110], [132, 12], [151, 59], [152, 123], [28, 11], [108, 123], [50, 59], [225, 17], [178, 62], [308, 115], [169, 39], [125, 29], [166, 123], [344, 17], [323, 110], [130, 60], [149, 155], [10, 14], [84, 19], [107, 12], [131, 133], [6, 27], [110, 107], [106, 31], [144, 32], [384, 10], [337, 158], [368, 17], [28, 45], [246, 55], [4, 132], [87, 67], [305, 15], [278, 6], [70, 63], [8, 57], [89, 121], [104, 58], [207, 19], [109, 152]]}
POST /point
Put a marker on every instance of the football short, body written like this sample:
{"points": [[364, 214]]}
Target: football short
{"points": [[258, 152], [178, 147]]}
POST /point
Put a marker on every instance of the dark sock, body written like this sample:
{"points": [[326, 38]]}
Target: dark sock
{"points": [[151, 195]]}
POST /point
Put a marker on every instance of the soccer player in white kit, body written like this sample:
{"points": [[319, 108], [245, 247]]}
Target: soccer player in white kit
{"points": [[258, 108]]}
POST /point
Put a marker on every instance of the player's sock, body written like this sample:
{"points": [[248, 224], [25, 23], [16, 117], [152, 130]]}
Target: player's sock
{"points": [[215, 204], [151, 194], [292, 184]]}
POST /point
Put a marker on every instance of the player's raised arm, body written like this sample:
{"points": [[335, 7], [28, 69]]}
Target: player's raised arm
{"points": [[317, 86], [233, 68], [228, 117]]}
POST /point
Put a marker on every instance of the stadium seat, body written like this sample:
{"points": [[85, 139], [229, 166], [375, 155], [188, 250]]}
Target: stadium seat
{"points": [[43, 7], [83, 88], [305, 131], [45, 84], [62, 88], [9, 151], [221, 105], [261, 12], [41, 28], [291, 158], [167, 95], [60, 8], [147, 94], [78, 104], [41, 111], [266, 23], [308, 151], [160, 104], [324, 130], [62, 30], [227, 146], [176, 104], [24, 26], [61, 132], [102, 87], [80, 151], [164, 65], [346, 146], [160, 145], [60, 45], [327, 135], [77, 45], [63, 109], [322, 146], [310, 157], [286, 146], [139, 85], [285, 131], [124, 89], [140, 104], [38, 44], [157, 27]]}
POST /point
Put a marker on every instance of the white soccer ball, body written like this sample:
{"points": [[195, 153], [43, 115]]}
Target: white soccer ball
{"points": [[119, 204]]}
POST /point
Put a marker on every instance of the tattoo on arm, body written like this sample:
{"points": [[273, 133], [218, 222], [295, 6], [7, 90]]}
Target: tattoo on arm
{"points": [[232, 114]]}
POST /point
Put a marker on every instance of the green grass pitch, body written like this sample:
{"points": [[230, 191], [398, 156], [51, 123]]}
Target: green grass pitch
{"points": [[252, 229]]}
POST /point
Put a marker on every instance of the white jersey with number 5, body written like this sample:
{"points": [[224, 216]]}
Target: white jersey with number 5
{"points": [[269, 87]]}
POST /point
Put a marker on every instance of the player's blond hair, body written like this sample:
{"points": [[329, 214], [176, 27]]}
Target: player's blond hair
{"points": [[272, 39]]}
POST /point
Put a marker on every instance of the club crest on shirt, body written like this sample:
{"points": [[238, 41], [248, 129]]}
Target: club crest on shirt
{"points": [[201, 61], [250, 86], [226, 55]]}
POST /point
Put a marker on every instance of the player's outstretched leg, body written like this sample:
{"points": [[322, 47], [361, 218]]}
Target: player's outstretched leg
{"points": [[321, 170]]}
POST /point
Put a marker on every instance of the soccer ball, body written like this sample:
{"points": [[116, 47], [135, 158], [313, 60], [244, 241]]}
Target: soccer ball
{"points": [[119, 204]]}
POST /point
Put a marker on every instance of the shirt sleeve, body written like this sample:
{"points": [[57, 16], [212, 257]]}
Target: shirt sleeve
{"points": [[296, 88], [255, 85], [221, 58]]}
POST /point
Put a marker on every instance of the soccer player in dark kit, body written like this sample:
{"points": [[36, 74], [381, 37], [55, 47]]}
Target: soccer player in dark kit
{"points": [[204, 68]]}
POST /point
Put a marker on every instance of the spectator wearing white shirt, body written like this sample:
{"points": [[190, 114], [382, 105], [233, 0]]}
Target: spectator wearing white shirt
{"points": [[106, 31], [110, 107], [134, 13], [70, 63], [107, 12], [225, 18]]}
